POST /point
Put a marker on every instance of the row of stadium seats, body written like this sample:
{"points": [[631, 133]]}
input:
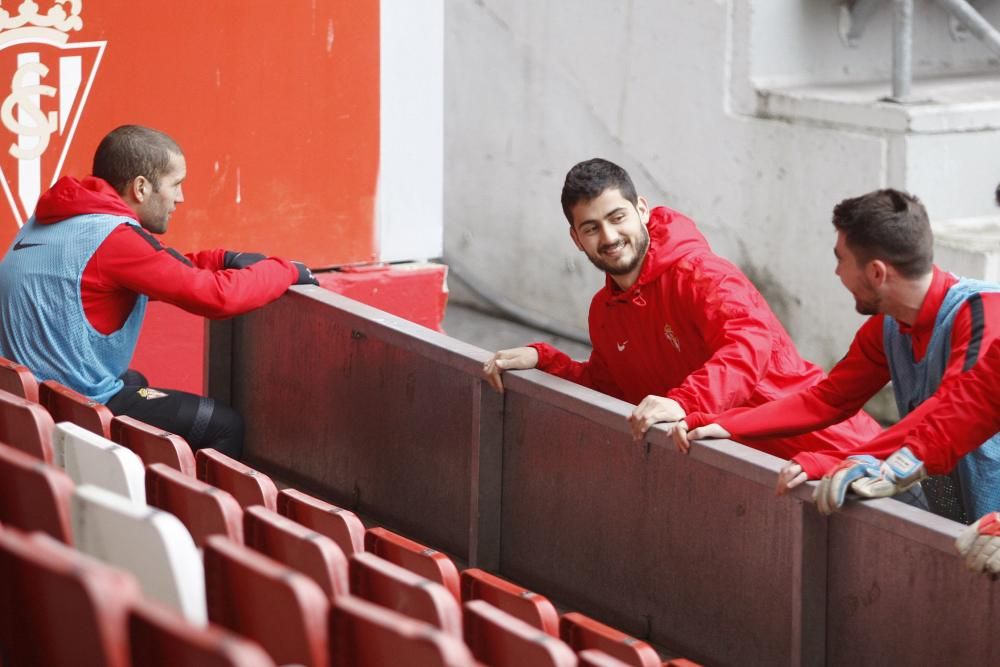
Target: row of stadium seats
{"points": [[290, 574]]}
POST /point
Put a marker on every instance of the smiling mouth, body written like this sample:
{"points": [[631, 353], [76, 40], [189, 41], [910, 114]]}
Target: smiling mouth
{"points": [[615, 249]]}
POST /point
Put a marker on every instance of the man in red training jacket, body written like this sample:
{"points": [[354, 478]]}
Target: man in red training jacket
{"points": [[676, 328], [926, 330], [75, 282]]}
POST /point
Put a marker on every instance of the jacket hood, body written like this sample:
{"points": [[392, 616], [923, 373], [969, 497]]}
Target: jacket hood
{"points": [[672, 236], [70, 197]]}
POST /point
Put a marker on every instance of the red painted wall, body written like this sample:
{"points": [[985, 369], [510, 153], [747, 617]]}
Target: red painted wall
{"points": [[276, 105]]}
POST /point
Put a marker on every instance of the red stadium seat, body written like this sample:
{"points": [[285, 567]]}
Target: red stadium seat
{"points": [[203, 509], [298, 547], [252, 595], [153, 445], [66, 405], [365, 635], [160, 637], [500, 640], [59, 608], [34, 495], [426, 562], [340, 525], [533, 609], [248, 486], [583, 633], [394, 587], [594, 658], [18, 380], [26, 425]]}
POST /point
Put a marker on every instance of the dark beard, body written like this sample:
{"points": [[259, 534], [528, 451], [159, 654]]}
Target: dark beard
{"points": [[640, 255]]}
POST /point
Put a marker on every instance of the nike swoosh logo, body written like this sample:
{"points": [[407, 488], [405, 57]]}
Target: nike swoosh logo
{"points": [[621, 346], [21, 245]]}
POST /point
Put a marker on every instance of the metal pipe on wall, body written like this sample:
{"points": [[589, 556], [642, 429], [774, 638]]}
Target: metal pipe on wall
{"points": [[902, 50]]}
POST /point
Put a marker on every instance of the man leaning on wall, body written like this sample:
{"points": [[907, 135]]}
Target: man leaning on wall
{"points": [[676, 328], [75, 282], [927, 328]]}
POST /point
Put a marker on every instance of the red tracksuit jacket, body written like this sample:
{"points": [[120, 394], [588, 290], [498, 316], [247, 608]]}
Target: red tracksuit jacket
{"points": [[131, 261], [693, 328]]}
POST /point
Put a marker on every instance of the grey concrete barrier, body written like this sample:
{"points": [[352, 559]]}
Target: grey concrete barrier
{"points": [[545, 486]]}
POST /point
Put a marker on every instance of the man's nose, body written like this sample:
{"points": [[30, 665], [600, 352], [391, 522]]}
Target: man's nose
{"points": [[180, 195], [608, 234]]}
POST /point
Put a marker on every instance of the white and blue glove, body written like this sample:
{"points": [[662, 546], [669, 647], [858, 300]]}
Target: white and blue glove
{"points": [[869, 478], [980, 544]]}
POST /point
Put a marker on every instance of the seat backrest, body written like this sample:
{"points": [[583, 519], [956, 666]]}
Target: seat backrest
{"points": [[255, 596], [500, 640], [151, 544], [26, 426], [203, 509], [34, 495], [533, 609], [416, 557], [340, 525], [58, 607], [247, 485], [594, 658], [393, 587], [153, 445], [159, 637], [66, 405], [91, 459], [363, 634], [18, 380], [583, 633], [298, 547]]}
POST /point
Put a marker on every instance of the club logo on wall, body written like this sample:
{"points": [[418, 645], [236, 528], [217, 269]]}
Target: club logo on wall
{"points": [[44, 83]]}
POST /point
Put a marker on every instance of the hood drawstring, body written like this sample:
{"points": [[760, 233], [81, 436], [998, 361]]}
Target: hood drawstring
{"points": [[638, 299]]}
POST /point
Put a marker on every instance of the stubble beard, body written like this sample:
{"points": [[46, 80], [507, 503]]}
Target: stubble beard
{"points": [[621, 270]]}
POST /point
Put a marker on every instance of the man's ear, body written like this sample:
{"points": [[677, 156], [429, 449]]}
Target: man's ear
{"points": [[643, 208], [140, 188], [877, 272], [576, 240]]}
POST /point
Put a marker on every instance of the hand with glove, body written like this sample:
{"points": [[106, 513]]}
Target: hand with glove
{"points": [[241, 260], [306, 276], [980, 544], [869, 478]]}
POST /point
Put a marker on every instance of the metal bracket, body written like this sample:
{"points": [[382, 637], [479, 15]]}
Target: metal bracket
{"points": [[854, 18]]}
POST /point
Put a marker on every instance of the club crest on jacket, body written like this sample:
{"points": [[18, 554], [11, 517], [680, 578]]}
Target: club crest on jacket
{"points": [[668, 331]]}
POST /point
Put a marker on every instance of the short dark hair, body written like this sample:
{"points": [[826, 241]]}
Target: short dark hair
{"points": [[130, 151], [888, 225], [588, 179]]}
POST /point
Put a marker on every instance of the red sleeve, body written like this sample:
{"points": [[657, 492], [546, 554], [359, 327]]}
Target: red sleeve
{"points": [[139, 263], [592, 373], [208, 259], [854, 380], [733, 320], [958, 418]]}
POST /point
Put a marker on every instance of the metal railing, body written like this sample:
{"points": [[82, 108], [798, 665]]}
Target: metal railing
{"points": [[857, 13]]}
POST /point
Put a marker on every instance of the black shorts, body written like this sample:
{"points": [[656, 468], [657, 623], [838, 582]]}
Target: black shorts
{"points": [[202, 421]]}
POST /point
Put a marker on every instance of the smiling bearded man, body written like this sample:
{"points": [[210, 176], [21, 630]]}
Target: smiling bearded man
{"points": [[676, 328]]}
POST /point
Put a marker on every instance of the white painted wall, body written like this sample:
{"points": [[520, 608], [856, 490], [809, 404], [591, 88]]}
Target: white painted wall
{"points": [[411, 150], [676, 92]]}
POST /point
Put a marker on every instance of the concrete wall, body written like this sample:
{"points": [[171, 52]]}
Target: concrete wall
{"points": [[545, 486], [700, 100]]}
